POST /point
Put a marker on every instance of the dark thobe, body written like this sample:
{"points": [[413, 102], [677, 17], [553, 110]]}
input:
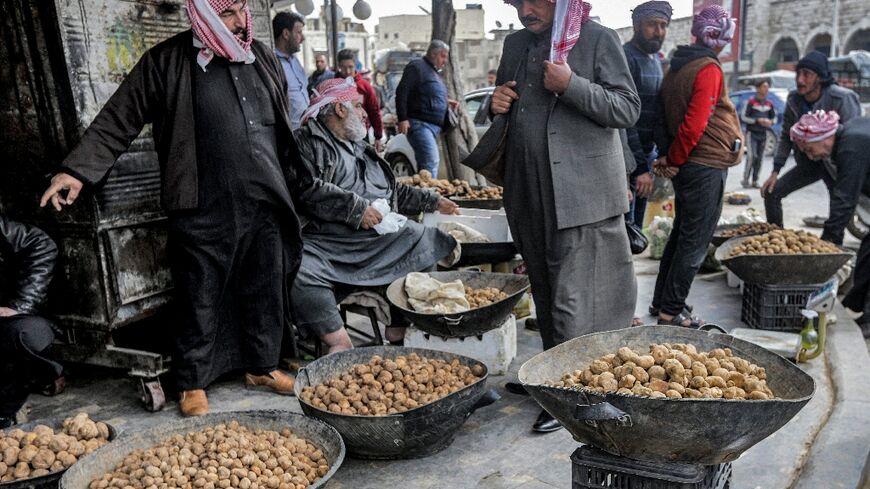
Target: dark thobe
{"points": [[576, 281], [228, 258], [337, 257]]}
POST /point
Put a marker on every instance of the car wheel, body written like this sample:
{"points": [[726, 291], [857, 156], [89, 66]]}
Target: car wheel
{"points": [[400, 165], [770, 143]]}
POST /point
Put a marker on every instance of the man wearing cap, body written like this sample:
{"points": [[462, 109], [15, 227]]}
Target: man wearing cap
{"points": [[650, 21], [699, 139], [816, 90], [217, 102], [820, 136], [344, 247], [565, 88]]}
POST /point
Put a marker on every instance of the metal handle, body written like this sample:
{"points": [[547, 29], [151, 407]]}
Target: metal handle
{"points": [[603, 411], [711, 326], [451, 321], [307, 377]]}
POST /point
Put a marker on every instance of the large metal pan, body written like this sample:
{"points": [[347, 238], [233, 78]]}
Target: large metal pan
{"points": [[419, 432], [699, 431], [800, 269], [46, 481], [104, 460], [489, 222], [470, 323]]}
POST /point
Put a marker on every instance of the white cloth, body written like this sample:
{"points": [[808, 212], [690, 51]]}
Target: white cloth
{"points": [[463, 233], [391, 222], [427, 295]]}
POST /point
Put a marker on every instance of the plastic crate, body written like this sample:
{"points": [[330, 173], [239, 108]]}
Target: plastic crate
{"points": [[775, 307], [593, 468]]}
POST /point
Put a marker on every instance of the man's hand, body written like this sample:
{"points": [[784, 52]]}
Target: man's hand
{"points": [[765, 122], [5, 312], [371, 218], [769, 184], [379, 146], [503, 97], [662, 169], [447, 206], [404, 126], [643, 185], [454, 104], [557, 76], [59, 182], [630, 197]]}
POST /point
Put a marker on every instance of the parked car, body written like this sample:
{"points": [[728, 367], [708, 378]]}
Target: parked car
{"points": [[778, 96], [399, 152]]}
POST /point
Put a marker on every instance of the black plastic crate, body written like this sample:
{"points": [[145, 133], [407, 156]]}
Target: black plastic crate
{"points": [[594, 468], [775, 307]]}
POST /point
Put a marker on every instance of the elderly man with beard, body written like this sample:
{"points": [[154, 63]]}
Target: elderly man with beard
{"points": [[842, 148], [217, 101], [566, 97], [343, 250], [816, 90], [650, 21]]}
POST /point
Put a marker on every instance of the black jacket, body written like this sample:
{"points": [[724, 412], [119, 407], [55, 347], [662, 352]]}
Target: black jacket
{"points": [[852, 161], [158, 91], [27, 257], [421, 94]]}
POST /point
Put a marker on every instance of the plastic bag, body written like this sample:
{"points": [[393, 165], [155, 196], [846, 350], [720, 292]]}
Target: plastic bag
{"points": [[659, 232], [391, 222], [427, 295]]}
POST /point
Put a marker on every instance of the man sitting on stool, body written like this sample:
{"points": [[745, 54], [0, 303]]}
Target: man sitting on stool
{"points": [[342, 248], [27, 257]]}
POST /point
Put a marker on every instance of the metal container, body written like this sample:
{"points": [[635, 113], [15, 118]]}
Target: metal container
{"points": [[104, 460], [419, 432], [699, 431], [469, 323], [799, 269], [49, 481], [492, 223], [718, 239], [493, 204]]}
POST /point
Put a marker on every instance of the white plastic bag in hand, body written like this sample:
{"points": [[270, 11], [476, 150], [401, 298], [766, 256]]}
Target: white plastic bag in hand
{"points": [[391, 222]]}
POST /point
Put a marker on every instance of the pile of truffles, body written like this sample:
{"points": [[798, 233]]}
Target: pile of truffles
{"points": [[675, 371], [40, 452], [483, 297], [384, 386], [483, 193], [783, 242], [222, 456], [445, 188], [752, 228]]}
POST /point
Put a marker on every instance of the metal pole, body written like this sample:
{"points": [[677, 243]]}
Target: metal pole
{"points": [[333, 7], [835, 36]]}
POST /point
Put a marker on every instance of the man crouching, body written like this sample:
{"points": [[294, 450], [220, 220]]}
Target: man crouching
{"points": [[342, 248]]}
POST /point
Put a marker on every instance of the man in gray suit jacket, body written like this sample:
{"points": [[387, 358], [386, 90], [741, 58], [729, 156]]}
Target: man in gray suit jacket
{"points": [[565, 175]]}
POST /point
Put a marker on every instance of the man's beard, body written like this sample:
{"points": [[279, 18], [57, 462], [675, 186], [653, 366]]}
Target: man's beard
{"points": [[649, 46], [355, 128], [241, 34]]}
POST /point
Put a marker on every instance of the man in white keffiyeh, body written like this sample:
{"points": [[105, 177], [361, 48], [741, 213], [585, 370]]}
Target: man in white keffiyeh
{"points": [[217, 102], [565, 86]]}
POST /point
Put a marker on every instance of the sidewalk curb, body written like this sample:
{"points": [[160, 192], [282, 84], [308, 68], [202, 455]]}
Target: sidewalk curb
{"points": [[840, 453]]}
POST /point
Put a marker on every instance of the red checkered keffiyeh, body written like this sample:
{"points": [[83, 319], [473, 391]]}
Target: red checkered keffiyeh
{"points": [[815, 126], [213, 35], [569, 18], [713, 26], [332, 91]]}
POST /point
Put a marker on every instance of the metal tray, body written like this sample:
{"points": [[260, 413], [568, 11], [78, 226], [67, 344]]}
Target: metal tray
{"points": [[699, 431], [470, 323], [801, 269], [418, 432], [105, 459]]}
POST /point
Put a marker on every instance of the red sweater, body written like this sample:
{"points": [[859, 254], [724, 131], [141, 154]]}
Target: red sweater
{"points": [[705, 94], [371, 104]]}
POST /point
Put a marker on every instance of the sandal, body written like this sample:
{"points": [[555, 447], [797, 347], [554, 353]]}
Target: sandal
{"points": [[681, 318], [654, 311]]}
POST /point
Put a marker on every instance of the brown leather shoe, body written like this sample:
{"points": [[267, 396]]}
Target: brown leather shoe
{"points": [[193, 403], [276, 380]]}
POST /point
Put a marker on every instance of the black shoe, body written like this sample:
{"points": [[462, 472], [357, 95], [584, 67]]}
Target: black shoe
{"points": [[516, 388], [532, 324], [546, 423]]}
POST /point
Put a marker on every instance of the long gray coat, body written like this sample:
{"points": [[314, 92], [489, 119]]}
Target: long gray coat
{"points": [[586, 154]]}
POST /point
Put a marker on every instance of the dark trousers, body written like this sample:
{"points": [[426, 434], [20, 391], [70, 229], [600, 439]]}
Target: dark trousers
{"points": [[803, 174], [753, 163], [23, 342], [699, 190], [858, 299]]}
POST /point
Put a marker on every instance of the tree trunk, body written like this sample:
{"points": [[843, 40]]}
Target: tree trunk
{"points": [[456, 143]]}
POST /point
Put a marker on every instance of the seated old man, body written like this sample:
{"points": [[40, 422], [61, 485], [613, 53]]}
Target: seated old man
{"points": [[342, 248]]}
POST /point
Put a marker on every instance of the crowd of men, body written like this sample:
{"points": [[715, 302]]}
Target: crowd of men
{"points": [[277, 199]]}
